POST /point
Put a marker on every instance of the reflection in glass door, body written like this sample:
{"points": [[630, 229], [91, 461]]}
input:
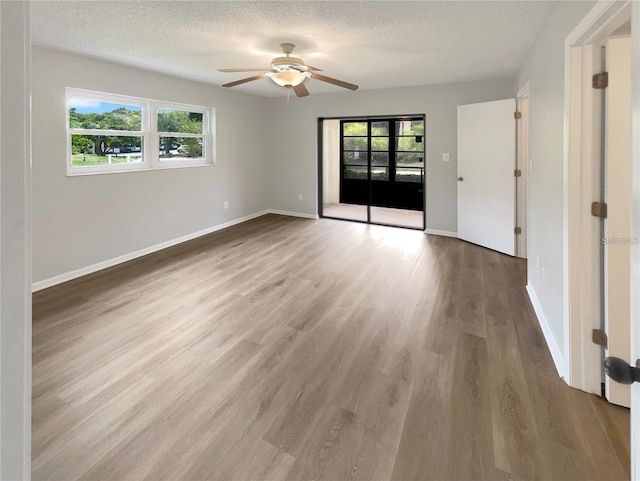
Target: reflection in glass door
{"points": [[381, 170]]}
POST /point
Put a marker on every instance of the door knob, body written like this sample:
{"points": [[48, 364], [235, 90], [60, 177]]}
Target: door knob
{"points": [[460, 179], [618, 370]]}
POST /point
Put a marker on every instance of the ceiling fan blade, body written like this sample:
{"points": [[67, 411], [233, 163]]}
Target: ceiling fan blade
{"points": [[301, 90], [245, 80], [333, 81], [244, 69], [313, 69]]}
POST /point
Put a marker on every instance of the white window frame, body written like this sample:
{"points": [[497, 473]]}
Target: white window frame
{"points": [[150, 136], [207, 143]]}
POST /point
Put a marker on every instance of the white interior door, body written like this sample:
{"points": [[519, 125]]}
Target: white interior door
{"points": [[486, 182], [617, 225]]}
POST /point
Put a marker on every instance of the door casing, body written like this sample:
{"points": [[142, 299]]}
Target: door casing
{"points": [[581, 367], [580, 363]]}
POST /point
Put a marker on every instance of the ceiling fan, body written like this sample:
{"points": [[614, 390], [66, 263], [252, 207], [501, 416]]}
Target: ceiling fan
{"points": [[288, 72]]}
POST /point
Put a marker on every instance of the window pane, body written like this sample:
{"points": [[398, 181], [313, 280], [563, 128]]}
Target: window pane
{"points": [[355, 143], [379, 143], [179, 121], [380, 128], [358, 172], [84, 114], [379, 173], [355, 158], [410, 127], [408, 174], [181, 148], [355, 172], [103, 149], [380, 159], [409, 143], [410, 159], [354, 128]]}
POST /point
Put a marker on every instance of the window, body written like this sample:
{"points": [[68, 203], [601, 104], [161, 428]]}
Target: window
{"points": [[114, 133], [390, 150], [182, 134], [409, 150]]}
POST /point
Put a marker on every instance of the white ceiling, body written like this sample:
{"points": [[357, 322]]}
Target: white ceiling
{"points": [[375, 44]]}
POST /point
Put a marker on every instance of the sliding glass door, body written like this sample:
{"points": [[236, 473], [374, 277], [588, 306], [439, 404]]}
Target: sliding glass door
{"points": [[381, 171]]}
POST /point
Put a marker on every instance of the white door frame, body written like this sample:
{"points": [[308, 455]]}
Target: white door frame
{"points": [[522, 163], [599, 23], [635, 233], [580, 234], [15, 237]]}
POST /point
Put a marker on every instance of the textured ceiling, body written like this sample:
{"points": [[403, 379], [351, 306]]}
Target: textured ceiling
{"points": [[379, 44]]}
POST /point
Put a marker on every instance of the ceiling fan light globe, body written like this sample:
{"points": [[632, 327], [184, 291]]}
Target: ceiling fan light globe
{"points": [[288, 78]]}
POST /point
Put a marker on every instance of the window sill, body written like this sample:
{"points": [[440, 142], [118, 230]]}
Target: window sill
{"points": [[141, 169]]}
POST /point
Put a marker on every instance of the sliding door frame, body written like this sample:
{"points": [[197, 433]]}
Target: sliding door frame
{"points": [[369, 119]]}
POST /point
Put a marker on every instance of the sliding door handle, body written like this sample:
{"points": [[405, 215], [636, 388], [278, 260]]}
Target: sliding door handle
{"points": [[620, 371]]}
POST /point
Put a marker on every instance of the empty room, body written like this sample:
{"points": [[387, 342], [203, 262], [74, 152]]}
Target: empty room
{"points": [[291, 240]]}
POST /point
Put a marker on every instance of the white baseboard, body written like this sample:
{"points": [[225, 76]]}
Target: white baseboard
{"points": [[444, 233], [292, 214], [83, 271], [552, 343]]}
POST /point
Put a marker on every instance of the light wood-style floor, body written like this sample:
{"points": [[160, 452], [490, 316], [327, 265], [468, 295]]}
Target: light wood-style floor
{"points": [[300, 349], [413, 219]]}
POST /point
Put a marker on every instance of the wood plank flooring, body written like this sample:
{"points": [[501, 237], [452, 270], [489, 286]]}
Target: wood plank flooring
{"points": [[294, 349]]}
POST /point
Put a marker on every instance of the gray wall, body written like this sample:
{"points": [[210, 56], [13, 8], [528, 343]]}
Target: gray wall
{"points": [[266, 156], [544, 70], [294, 136], [84, 220]]}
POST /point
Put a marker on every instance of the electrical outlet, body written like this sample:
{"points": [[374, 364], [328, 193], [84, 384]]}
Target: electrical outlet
{"points": [[445, 157], [226, 204], [300, 197]]}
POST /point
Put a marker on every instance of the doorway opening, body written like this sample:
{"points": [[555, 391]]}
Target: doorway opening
{"points": [[598, 188], [597, 173], [372, 170]]}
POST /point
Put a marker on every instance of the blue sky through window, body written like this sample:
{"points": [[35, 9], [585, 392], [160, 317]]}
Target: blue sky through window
{"points": [[96, 107]]}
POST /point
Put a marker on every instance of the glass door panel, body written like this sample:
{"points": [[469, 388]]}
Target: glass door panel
{"points": [[380, 167], [354, 179], [381, 171]]}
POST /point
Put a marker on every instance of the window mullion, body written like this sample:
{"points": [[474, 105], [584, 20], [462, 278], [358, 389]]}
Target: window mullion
{"points": [[104, 132], [153, 138]]}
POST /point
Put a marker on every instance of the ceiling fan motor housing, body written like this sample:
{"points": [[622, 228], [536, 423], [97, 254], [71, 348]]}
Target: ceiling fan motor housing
{"points": [[287, 63]]}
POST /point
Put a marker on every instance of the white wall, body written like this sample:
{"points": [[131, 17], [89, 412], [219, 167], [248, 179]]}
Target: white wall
{"points": [[331, 162], [294, 137], [544, 70], [15, 243], [85, 220]]}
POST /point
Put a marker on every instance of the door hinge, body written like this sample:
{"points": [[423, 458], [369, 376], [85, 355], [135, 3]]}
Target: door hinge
{"points": [[599, 209], [601, 80], [518, 230], [517, 173], [599, 337], [517, 115]]}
